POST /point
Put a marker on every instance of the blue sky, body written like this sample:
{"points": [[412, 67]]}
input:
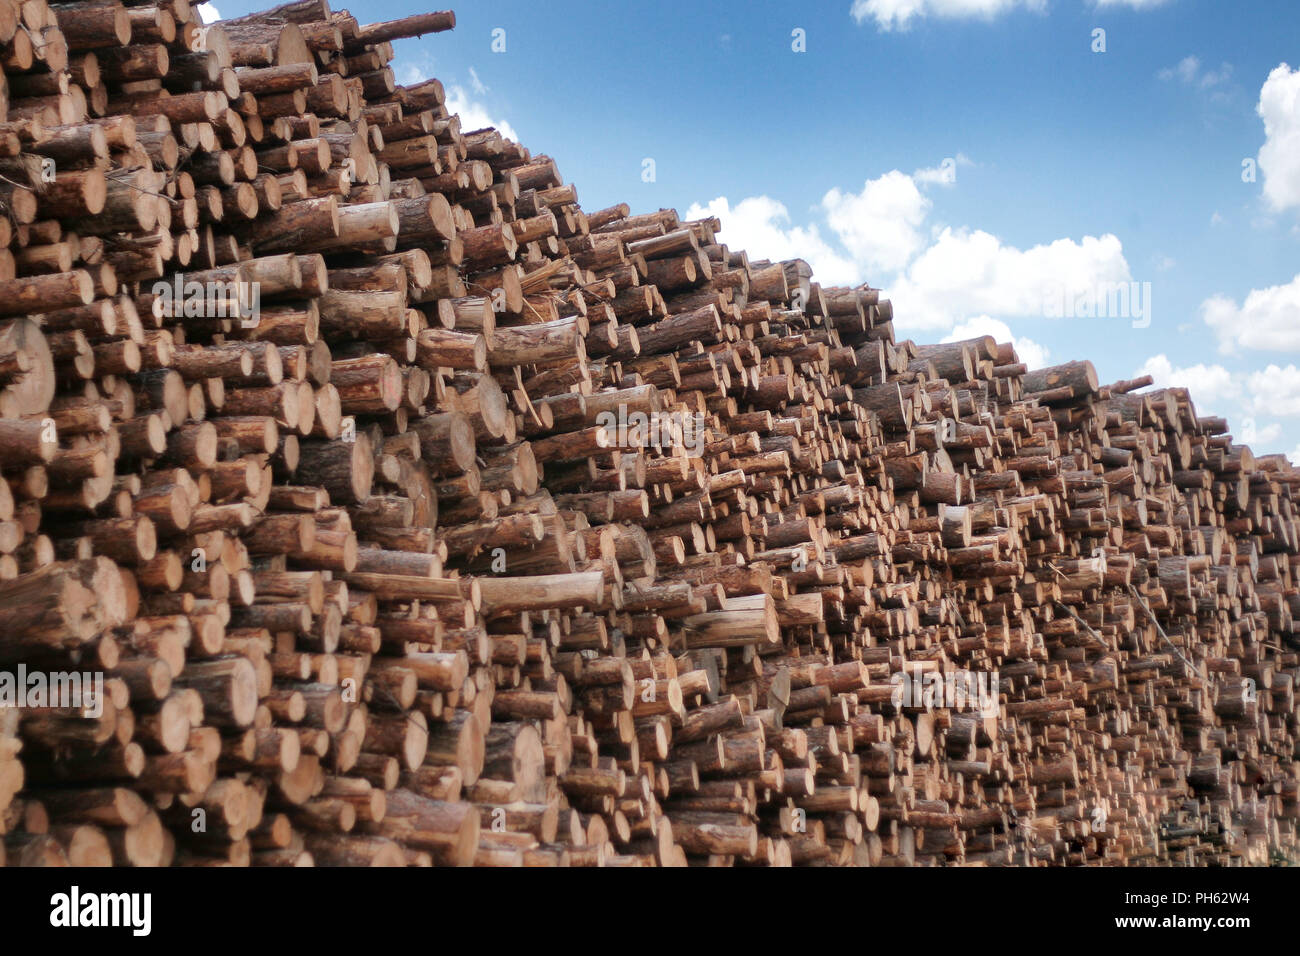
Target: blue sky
{"points": [[980, 160]]}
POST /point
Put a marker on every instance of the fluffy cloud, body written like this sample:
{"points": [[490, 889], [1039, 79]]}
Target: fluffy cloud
{"points": [[1271, 392], [945, 174], [1212, 78], [208, 13], [474, 114], [966, 273], [1276, 391], [898, 14], [761, 226], [1185, 70], [1269, 319], [1029, 351], [880, 226], [1251, 433], [1210, 385], [1189, 71], [1279, 157], [936, 278], [891, 14]]}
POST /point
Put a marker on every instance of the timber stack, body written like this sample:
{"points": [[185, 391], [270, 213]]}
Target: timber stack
{"points": [[415, 515]]}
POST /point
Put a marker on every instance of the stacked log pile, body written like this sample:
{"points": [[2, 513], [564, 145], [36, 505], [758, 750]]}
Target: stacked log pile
{"points": [[415, 515]]}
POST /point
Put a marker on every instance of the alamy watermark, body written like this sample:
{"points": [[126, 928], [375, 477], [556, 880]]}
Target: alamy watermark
{"points": [[955, 690], [1105, 300], [208, 300], [73, 909], [655, 429], [71, 690]]}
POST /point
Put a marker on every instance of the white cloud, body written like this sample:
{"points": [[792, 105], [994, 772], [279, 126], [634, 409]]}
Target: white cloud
{"points": [[1279, 157], [891, 14], [761, 226], [1251, 433], [1185, 70], [1216, 219], [1210, 385], [208, 13], [880, 226], [936, 277], [1029, 351], [898, 14], [1165, 263], [965, 273], [1269, 319], [1295, 455], [1212, 78], [1189, 71], [473, 114], [1135, 4], [945, 174], [1276, 391]]}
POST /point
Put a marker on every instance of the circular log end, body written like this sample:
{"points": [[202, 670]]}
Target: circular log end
{"points": [[243, 692], [122, 25]]}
